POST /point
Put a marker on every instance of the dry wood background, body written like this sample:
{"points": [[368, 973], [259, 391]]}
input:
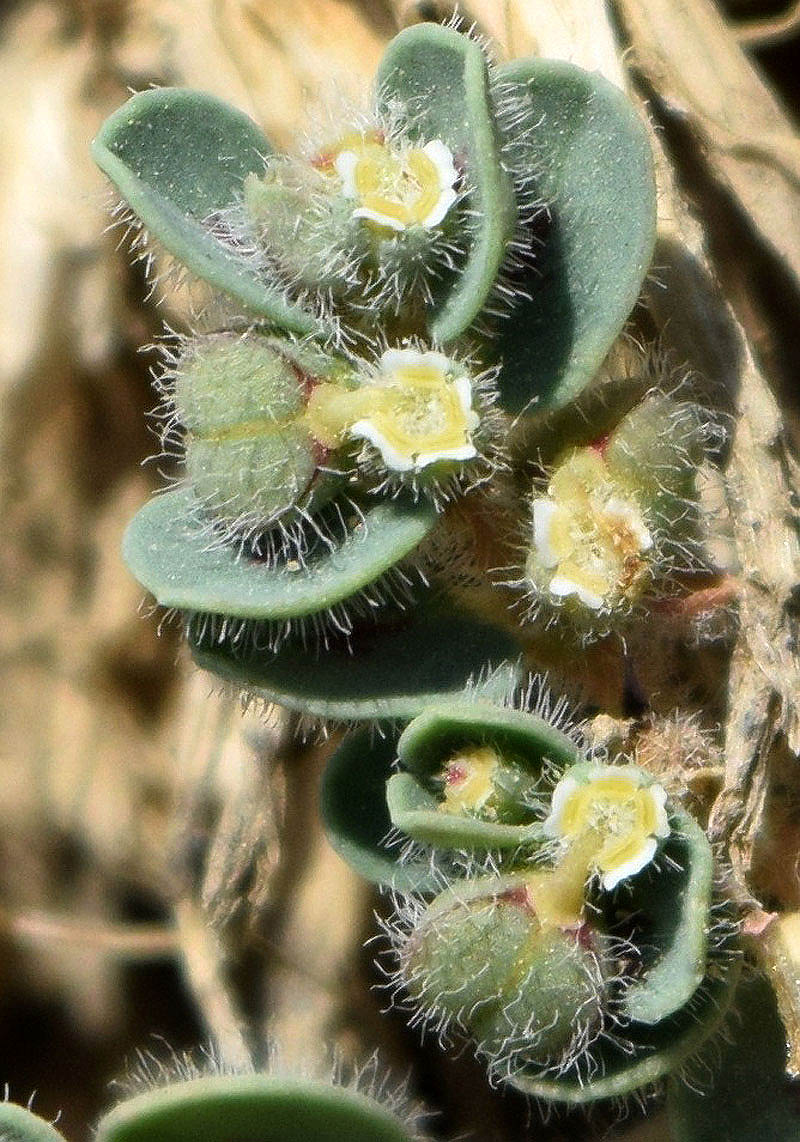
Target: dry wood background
{"points": [[161, 866]]}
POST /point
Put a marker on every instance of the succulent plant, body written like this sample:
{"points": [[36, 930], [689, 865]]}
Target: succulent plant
{"points": [[558, 911], [396, 295], [396, 311]]}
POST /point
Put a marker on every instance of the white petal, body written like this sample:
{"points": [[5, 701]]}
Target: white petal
{"points": [[543, 512], [391, 457], [345, 164], [399, 358], [562, 585], [463, 387], [381, 219], [398, 461], [645, 854], [659, 795], [462, 452], [561, 795], [439, 209], [442, 158]]}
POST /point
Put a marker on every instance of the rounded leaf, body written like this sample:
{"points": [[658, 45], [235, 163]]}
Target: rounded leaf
{"points": [[179, 158], [440, 78], [355, 816], [173, 556], [674, 900], [591, 155], [386, 673], [258, 1108]]}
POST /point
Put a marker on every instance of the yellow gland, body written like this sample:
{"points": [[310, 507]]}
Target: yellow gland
{"points": [[415, 410], [590, 537], [469, 781], [612, 818], [395, 187]]}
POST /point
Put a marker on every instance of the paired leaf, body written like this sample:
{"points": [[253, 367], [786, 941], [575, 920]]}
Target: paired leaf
{"points": [[746, 1095], [175, 558], [179, 158], [591, 156], [440, 78], [387, 673], [437, 735], [258, 1108]]}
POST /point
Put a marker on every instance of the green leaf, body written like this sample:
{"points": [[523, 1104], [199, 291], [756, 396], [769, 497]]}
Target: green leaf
{"points": [[171, 555], [354, 812], [257, 1108], [590, 152], [178, 157], [20, 1125], [415, 812], [440, 730], [437, 734], [674, 901], [440, 77], [651, 1052], [745, 1094], [389, 672]]}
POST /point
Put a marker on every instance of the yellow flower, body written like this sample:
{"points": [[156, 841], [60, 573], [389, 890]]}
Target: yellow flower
{"points": [[590, 538], [416, 410], [613, 812], [469, 781], [396, 186]]}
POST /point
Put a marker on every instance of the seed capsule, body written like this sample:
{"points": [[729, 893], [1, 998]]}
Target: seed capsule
{"points": [[527, 990], [249, 453]]}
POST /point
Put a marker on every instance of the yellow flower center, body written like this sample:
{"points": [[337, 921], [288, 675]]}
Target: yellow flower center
{"points": [[395, 187], [469, 781], [619, 813], [415, 411], [590, 534], [609, 821]]}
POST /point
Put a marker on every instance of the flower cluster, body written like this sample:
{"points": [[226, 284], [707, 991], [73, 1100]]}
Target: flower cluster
{"points": [[541, 873]]}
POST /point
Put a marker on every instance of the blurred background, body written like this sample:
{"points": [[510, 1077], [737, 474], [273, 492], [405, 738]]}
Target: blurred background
{"points": [[163, 880]]}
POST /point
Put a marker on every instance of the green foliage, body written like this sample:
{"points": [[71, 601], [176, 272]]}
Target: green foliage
{"points": [[593, 169], [555, 910], [388, 675], [260, 1108], [505, 213], [574, 986], [743, 1093], [17, 1124], [179, 158]]}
